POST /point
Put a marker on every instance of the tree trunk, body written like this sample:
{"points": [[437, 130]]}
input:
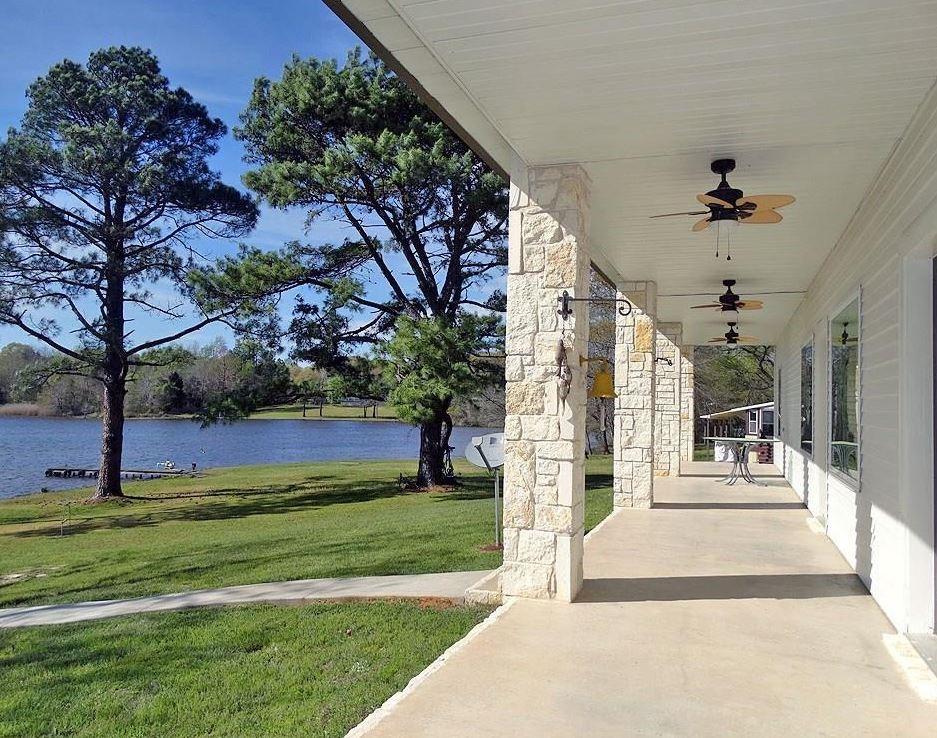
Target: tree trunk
{"points": [[112, 441], [431, 454]]}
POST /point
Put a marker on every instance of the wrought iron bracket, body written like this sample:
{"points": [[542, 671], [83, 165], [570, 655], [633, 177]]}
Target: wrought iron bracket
{"points": [[624, 306], [666, 360]]}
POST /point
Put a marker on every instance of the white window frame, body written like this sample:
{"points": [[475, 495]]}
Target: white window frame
{"points": [[853, 484], [813, 399]]}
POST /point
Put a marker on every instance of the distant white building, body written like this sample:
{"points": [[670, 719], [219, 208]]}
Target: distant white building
{"points": [[747, 420]]}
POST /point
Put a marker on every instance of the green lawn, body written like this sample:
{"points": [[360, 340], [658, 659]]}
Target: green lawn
{"points": [[329, 412], [703, 452], [251, 524], [264, 670]]}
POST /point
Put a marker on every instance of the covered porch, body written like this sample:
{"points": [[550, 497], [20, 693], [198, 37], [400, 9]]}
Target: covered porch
{"points": [[722, 611], [605, 114]]}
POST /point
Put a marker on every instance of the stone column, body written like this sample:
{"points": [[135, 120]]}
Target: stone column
{"points": [[687, 405], [667, 400], [544, 472], [634, 406]]}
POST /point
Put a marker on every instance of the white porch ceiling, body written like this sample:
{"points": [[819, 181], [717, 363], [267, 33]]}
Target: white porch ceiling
{"points": [[809, 97]]}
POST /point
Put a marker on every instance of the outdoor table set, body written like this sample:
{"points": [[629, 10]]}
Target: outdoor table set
{"points": [[739, 448]]}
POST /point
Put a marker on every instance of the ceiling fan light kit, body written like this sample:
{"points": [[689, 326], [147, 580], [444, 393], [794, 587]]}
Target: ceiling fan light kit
{"points": [[729, 206], [732, 338]]}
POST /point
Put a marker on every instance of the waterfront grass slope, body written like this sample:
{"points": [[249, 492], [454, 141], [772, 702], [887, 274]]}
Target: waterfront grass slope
{"points": [[243, 525]]}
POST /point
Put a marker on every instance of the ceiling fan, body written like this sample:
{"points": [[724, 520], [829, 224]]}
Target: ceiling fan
{"points": [[729, 302], [732, 337], [728, 206]]}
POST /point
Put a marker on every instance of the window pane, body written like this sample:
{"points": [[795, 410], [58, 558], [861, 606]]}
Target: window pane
{"points": [[844, 391], [806, 398]]}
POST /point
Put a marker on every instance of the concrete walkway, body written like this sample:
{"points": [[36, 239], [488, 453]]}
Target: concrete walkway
{"points": [[447, 585], [722, 612]]}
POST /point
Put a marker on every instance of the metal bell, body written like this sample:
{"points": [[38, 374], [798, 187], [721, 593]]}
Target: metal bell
{"points": [[602, 386]]}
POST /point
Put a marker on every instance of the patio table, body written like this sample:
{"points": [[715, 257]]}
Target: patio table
{"points": [[740, 448]]}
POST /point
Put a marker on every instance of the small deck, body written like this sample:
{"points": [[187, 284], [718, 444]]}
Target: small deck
{"points": [[68, 472], [720, 612]]}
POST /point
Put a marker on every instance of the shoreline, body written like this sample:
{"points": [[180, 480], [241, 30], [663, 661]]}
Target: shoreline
{"points": [[262, 415]]}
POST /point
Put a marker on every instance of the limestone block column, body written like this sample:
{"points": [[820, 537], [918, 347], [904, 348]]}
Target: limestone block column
{"points": [[667, 400], [687, 405], [634, 407], [544, 472]]}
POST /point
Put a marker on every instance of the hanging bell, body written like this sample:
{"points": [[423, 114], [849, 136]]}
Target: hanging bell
{"points": [[602, 386]]}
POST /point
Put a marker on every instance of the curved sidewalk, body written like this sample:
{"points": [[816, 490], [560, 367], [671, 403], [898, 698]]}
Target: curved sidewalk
{"points": [[445, 585], [720, 612]]}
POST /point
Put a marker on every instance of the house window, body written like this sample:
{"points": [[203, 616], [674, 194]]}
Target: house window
{"points": [[844, 392], [752, 423], [806, 398], [767, 423]]}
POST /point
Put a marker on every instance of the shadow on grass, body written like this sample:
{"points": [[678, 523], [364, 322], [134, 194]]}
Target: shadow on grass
{"points": [[225, 503]]}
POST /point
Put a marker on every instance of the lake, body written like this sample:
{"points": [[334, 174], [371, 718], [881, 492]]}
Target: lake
{"points": [[29, 446]]}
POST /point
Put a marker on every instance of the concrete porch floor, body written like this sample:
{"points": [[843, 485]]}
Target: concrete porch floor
{"points": [[720, 612]]}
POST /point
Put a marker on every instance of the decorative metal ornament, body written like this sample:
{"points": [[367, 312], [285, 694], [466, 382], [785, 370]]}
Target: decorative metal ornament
{"points": [[564, 375], [565, 310], [603, 385]]}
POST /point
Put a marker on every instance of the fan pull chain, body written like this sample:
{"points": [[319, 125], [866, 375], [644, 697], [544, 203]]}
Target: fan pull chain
{"points": [[729, 242], [717, 240]]}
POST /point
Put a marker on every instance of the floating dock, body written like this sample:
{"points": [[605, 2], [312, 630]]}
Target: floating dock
{"points": [[67, 472]]}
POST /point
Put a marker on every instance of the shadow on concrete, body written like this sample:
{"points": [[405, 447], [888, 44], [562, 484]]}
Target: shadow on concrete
{"points": [[731, 587], [725, 474], [728, 506]]}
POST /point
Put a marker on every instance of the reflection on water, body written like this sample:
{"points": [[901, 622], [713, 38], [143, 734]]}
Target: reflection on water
{"points": [[28, 446]]}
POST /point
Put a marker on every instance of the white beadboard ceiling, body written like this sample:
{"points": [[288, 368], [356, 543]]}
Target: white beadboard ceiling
{"points": [[810, 97]]}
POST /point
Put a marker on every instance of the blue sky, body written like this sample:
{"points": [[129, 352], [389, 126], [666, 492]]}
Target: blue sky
{"points": [[213, 48]]}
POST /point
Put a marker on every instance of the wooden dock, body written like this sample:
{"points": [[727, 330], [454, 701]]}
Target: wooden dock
{"points": [[67, 472]]}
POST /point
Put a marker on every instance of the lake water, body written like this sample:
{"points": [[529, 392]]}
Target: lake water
{"points": [[29, 446]]}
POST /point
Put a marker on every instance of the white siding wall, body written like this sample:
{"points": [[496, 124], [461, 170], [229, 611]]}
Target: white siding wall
{"points": [[883, 527]]}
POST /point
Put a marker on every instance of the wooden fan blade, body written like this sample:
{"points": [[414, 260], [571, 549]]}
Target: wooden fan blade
{"points": [[717, 340], [749, 305], [747, 339], [700, 225], [691, 212], [766, 202], [710, 305], [710, 200], [760, 216]]}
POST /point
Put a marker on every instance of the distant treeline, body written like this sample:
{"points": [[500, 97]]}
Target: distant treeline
{"points": [[180, 380], [210, 381]]}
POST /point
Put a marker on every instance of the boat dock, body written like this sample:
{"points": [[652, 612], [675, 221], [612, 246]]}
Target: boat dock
{"points": [[67, 472]]}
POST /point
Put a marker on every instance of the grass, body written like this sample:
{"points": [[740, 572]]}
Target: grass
{"points": [[313, 670], [703, 452], [251, 524], [329, 412]]}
